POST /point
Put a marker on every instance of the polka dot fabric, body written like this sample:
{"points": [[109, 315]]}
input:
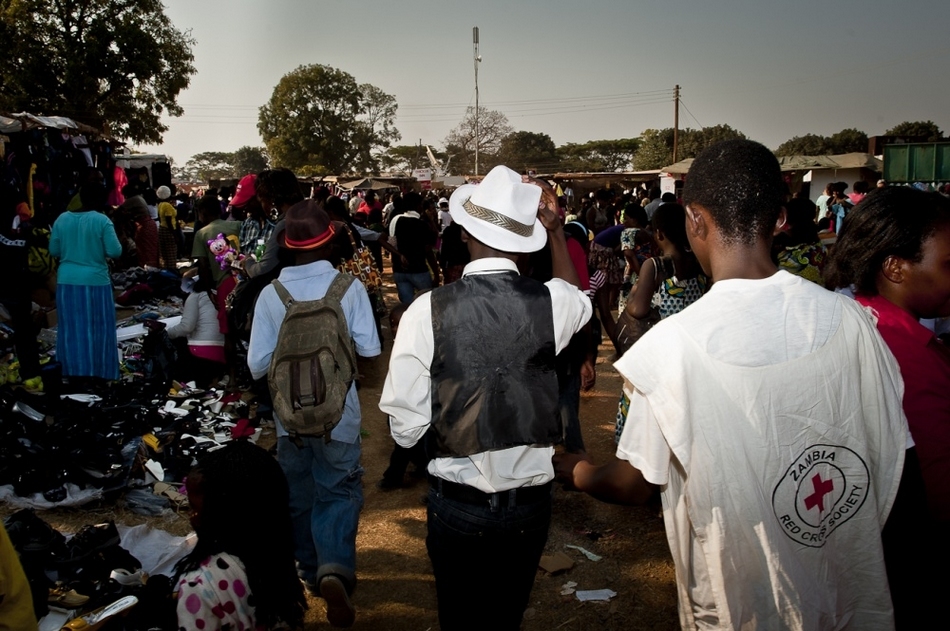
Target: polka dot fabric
{"points": [[216, 596]]}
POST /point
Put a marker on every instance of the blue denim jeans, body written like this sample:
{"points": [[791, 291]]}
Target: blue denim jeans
{"points": [[484, 560], [568, 403], [326, 495], [407, 284]]}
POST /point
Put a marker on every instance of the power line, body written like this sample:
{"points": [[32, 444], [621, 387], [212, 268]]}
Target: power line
{"points": [[698, 124]]}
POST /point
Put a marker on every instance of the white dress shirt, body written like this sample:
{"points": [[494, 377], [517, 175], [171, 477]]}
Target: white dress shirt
{"points": [[407, 398]]}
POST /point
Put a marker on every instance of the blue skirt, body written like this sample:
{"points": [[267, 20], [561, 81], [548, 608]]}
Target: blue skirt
{"points": [[86, 344]]}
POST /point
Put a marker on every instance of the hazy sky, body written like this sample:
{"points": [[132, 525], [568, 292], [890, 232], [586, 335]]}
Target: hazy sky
{"points": [[576, 71]]}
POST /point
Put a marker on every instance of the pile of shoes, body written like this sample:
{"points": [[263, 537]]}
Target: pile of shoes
{"points": [[196, 421], [99, 440], [79, 439], [77, 574]]}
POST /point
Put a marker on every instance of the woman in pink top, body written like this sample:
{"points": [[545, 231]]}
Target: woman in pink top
{"points": [[894, 249]]}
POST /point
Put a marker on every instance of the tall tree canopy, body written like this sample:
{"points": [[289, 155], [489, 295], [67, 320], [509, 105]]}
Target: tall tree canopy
{"points": [[212, 165], [656, 145], [319, 120], [926, 129], [845, 141], [523, 150], [112, 65], [599, 156], [493, 126], [248, 159]]}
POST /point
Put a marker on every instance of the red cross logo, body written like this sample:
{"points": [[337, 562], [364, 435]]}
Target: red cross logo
{"points": [[822, 488]]}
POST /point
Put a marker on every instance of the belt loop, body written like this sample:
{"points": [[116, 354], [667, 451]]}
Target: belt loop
{"points": [[438, 488], [494, 501], [512, 498]]}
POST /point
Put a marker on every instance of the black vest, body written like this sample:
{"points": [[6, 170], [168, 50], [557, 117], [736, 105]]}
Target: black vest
{"points": [[493, 379]]}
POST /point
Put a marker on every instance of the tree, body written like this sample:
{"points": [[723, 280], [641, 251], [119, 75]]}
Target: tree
{"points": [[404, 158], [209, 165], [692, 142], [656, 149], [849, 141], [599, 156], [493, 126], [248, 160], [925, 129], [524, 150], [112, 65], [319, 120], [845, 141], [807, 145]]}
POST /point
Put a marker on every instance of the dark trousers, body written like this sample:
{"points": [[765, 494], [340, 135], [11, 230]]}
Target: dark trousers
{"points": [[568, 403], [20, 306], [484, 560], [399, 461]]}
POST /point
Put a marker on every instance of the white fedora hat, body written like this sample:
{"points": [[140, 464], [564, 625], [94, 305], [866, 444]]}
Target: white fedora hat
{"points": [[501, 212]]}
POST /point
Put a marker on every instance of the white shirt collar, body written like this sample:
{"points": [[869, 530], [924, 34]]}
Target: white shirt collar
{"points": [[490, 266]]}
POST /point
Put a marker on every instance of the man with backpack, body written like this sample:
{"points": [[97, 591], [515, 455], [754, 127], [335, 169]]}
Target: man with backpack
{"points": [[306, 326]]}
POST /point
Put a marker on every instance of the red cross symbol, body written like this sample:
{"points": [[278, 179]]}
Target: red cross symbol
{"points": [[822, 488]]}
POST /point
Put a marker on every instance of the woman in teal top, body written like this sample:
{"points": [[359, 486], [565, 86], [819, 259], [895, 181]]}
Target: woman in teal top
{"points": [[83, 240]]}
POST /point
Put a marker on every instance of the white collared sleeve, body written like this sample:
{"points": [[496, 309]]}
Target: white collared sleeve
{"points": [[572, 309], [407, 397]]}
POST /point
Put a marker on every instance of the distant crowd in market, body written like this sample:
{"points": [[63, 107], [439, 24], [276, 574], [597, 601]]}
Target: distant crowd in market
{"points": [[801, 484]]}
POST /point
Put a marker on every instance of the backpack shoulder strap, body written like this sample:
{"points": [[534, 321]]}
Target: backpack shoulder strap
{"points": [[338, 287], [282, 293]]}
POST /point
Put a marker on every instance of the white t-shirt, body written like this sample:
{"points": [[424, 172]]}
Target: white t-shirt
{"points": [[769, 412], [445, 218]]}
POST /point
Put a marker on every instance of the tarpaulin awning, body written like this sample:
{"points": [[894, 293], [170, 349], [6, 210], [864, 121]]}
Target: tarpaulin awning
{"points": [[24, 121], [805, 163], [366, 184]]}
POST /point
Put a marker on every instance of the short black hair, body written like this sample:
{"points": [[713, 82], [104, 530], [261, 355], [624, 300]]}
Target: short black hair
{"points": [[892, 221], [670, 219], [800, 217], [740, 184], [412, 201], [93, 195], [208, 208], [637, 213], [336, 208], [280, 186]]}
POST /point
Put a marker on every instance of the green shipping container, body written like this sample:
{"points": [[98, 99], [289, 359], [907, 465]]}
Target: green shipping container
{"points": [[917, 162]]}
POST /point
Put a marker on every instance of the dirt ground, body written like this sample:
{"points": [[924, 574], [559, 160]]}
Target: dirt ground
{"points": [[396, 589]]}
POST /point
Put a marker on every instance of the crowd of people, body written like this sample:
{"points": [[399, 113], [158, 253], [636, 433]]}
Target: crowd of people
{"points": [[787, 400]]}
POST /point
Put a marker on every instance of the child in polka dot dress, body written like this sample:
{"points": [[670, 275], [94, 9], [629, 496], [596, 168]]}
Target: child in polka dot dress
{"points": [[241, 575]]}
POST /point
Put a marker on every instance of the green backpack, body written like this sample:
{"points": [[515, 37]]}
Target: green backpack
{"points": [[314, 363]]}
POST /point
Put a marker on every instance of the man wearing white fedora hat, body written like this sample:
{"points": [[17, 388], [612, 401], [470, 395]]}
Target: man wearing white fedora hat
{"points": [[473, 372]]}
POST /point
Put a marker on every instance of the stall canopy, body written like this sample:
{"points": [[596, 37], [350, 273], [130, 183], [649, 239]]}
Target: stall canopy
{"points": [[24, 122], [366, 184], [805, 163]]}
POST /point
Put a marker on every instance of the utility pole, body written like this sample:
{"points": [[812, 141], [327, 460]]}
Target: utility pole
{"points": [[478, 59], [676, 122]]}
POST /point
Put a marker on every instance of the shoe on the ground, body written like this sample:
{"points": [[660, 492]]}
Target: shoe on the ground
{"points": [[31, 534], [340, 611], [88, 540]]}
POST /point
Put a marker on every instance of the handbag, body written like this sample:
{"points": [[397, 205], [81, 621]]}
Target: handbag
{"points": [[631, 329], [361, 265]]}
